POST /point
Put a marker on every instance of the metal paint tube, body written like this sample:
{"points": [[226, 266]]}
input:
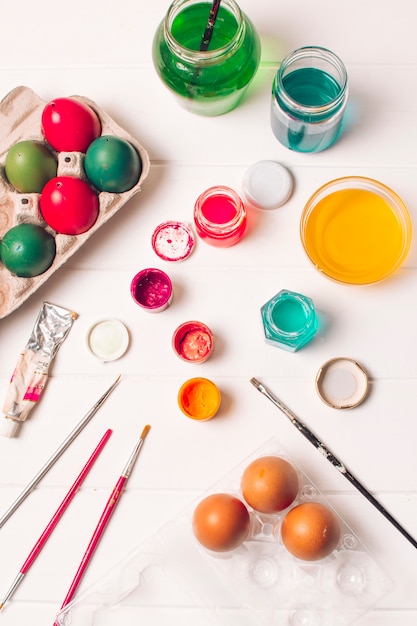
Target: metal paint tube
{"points": [[31, 372]]}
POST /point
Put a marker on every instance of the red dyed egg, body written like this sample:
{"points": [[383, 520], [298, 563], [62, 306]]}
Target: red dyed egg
{"points": [[69, 205], [70, 125]]}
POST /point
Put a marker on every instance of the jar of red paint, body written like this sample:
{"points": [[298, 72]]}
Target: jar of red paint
{"points": [[220, 216]]}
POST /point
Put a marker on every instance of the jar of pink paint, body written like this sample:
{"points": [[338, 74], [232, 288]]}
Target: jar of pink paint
{"points": [[220, 217]]}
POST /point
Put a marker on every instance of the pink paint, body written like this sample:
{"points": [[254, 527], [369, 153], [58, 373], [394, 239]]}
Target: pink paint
{"points": [[152, 290], [220, 216]]}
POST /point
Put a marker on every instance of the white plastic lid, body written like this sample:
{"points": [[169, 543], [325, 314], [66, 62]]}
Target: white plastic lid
{"points": [[8, 427], [108, 339], [173, 241], [267, 185], [342, 383]]}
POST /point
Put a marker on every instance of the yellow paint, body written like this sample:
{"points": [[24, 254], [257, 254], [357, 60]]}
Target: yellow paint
{"points": [[355, 236]]}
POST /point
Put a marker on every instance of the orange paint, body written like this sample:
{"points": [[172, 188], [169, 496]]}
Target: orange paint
{"points": [[199, 399]]}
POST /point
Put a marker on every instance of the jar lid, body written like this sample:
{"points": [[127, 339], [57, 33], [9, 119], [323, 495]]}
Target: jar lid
{"points": [[267, 185], [173, 241], [8, 427], [342, 383], [108, 339]]}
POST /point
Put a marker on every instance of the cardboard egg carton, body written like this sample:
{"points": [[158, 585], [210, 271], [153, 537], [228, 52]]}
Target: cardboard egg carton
{"points": [[20, 119]]}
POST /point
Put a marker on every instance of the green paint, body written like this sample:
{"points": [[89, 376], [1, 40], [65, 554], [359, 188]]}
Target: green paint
{"points": [[207, 85]]}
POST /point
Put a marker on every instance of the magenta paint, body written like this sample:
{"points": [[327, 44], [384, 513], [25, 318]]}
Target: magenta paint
{"points": [[151, 289]]}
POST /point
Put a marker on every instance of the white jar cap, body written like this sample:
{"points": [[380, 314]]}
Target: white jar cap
{"points": [[108, 339], [173, 241], [267, 185], [8, 427]]}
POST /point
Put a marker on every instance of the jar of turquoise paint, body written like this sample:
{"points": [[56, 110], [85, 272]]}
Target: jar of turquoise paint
{"points": [[309, 96], [289, 320]]}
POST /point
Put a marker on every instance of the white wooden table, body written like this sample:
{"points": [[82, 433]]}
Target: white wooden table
{"points": [[104, 53]]}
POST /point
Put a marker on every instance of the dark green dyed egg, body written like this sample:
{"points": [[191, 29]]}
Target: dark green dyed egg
{"points": [[112, 164], [27, 250]]}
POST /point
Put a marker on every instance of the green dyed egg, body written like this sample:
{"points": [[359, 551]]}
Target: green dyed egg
{"points": [[27, 250], [112, 164], [29, 165]]}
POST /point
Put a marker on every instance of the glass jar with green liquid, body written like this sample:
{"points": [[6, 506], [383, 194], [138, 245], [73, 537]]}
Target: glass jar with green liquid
{"points": [[309, 96], [207, 79]]}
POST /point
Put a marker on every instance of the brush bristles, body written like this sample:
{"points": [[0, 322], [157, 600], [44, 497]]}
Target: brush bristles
{"points": [[145, 431]]}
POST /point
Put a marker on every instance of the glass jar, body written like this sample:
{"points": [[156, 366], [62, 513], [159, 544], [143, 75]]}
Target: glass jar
{"points": [[220, 216], [213, 81], [309, 96], [289, 320]]}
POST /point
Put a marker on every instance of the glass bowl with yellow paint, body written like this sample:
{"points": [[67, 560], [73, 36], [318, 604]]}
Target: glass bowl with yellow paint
{"points": [[199, 399], [356, 230]]}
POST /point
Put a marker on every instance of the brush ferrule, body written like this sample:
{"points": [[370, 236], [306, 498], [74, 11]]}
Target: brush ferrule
{"points": [[13, 588]]}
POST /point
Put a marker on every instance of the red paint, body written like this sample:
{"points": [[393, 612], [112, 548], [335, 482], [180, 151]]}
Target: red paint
{"points": [[219, 209], [193, 342], [220, 216]]}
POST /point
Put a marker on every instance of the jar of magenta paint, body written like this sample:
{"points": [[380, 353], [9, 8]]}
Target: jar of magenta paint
{"points": [[220, 216], [152, 290]]}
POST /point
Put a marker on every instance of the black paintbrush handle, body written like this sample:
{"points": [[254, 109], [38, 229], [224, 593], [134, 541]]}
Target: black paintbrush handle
{"points": [[208, 33], [352, 479], [304, 430]]}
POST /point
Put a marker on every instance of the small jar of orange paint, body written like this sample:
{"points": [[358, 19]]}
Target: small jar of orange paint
{"points": [[220, 216], [199, 399]]}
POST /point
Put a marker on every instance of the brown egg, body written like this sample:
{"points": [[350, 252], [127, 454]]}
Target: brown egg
{"points": [[221, 522], [310, 531], [269, 484]]}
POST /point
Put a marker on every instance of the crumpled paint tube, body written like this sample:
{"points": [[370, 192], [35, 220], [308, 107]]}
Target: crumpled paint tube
{"points": [[31, 372]]}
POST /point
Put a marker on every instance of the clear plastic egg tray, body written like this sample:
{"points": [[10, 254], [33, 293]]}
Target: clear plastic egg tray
{"points": [[172, 580], [20, 119]]}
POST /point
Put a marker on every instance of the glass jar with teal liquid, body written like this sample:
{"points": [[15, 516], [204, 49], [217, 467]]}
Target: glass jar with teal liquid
{"points": [[208, 81], [289, 320], [309, 96]]}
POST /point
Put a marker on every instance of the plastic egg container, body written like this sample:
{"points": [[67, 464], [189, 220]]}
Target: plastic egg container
{"points": [[172, 578], [20, 116]]}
